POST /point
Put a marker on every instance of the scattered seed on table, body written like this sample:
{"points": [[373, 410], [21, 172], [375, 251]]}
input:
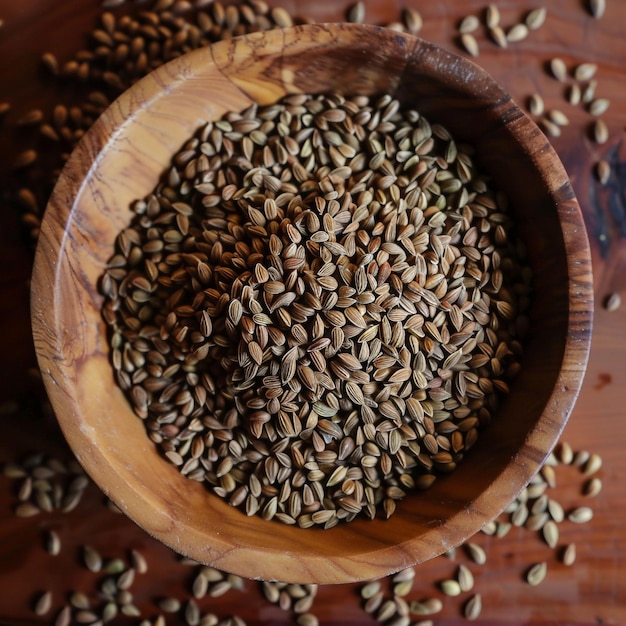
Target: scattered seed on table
{"points": [[465, 578], [469, 24], [564, 452], [612, 303], [470, 44], [574, 94], [412, 20], [499, 36], [356, 13], [536, 574], [92, 559], [585, 71], [603, 171], [52, 543], [43, 603], [597, 8], [536, 105], [550, 128], [492, 16], [558, 68], [536, 18], [551, 533], [589, 92], [476, 553], [427, 606], [25, 159], [594, 462], [558, 117], [599, 106], [517, 32], [600, 132], [580, 515], [473, 607], [30, 118], [169, 605], [569, 554], [592, 487]]}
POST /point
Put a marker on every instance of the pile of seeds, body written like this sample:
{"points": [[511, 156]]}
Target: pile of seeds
{"points": [[318, 308]]}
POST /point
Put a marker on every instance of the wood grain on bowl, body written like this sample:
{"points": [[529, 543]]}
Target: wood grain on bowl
{"points": [[121, 158]]}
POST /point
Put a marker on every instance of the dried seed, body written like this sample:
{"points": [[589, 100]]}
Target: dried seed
{"points": [[600, 132], [536, 105], [558, 69], [551, 533], [450, 587], [585, 71], [370, 589], [91, 559], [558, 117], [599, 106], [603, 171], [412, 20], [492, 16], [476, 553], [536, 574], [469, 24], [52, 542], [574, 94], [469, 43], [565, 454], [516, 33], [43, 603], [169, 605], [580, 515], [612, 303], [569, 554], [550, 128], [536, 18], [597, 8], [465, 578], [25, 159], [594, 462], [427, 606], [356, 13], [473, 607], [592, 487]]}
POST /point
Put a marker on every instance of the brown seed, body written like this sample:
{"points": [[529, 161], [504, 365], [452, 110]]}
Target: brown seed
{"points": [[25, 159], [31, 117], [536, 574]]}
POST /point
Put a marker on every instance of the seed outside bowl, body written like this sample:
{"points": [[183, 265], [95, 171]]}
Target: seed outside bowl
{"points": [[120, 160]]}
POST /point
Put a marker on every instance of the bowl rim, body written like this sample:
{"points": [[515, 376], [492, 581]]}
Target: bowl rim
{"points": [[45, 321]]}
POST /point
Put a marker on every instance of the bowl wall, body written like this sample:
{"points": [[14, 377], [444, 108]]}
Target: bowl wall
{"points": [[121, 158]]}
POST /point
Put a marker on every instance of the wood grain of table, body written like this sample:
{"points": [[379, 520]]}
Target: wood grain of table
{"points": [[592, 591]]}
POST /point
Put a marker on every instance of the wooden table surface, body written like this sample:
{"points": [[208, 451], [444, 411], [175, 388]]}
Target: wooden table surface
{"points": [[592, 591]]}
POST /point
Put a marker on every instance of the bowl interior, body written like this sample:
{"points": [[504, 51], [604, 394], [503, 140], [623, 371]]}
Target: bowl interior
{"points": [[120, 160]]}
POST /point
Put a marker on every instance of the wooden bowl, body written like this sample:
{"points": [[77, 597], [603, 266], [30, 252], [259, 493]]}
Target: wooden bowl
{"points": [[120, 159]]}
